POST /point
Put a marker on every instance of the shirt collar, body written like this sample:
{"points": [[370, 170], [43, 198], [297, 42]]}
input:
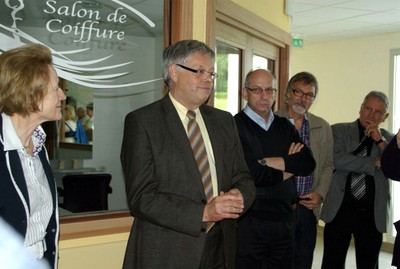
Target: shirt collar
{"points": [[258, 119], [182, 110], [292, 120], [10, 137], [12, 141]]}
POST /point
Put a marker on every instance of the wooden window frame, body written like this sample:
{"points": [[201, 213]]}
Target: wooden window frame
{"points": [[236, 16]]}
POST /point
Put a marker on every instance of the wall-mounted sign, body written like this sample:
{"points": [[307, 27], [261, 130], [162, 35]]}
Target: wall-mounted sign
{"points": [[297, 42], [98, 44]]}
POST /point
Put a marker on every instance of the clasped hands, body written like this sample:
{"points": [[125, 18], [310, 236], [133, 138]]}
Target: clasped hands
{"points": [[228, 205], [311, 200]]}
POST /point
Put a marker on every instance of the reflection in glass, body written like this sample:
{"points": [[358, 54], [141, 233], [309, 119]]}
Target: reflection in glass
{"points": [[79, 105], [75, 131], [72, 126]]}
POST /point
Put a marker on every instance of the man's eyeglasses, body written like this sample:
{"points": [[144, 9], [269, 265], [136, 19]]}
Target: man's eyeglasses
{"points": [[258, 90], [300, 93], [373, 111], [199, 72]]}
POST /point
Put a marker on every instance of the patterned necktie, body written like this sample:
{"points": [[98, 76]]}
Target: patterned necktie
{"points": [[200, 153], [358, 187]]}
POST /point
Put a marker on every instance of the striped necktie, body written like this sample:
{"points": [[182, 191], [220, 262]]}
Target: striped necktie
{"points": [[200, 153], [358, 187]]}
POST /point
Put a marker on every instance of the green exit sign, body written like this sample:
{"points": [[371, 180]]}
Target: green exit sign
{"points": [[297, 42]]}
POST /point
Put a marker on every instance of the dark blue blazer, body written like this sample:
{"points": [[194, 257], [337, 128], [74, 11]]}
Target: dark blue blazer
{"points": [[14, 197]]}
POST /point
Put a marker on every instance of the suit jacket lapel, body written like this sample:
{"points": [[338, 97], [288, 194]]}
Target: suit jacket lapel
{"points": [[216, 140], [16, 168], [354, 136], [18, 175]]}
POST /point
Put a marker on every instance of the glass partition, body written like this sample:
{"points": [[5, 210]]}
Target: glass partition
{"points": [[108, 56]]}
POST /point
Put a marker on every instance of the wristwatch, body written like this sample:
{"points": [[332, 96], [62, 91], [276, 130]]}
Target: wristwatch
{"points": [[380, 141]]}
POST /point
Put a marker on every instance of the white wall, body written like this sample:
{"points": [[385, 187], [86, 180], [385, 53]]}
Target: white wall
{"points": [[346, 71]]}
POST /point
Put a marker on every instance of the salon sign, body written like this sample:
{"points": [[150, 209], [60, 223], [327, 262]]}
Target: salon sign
{"points": [[94, 43]]}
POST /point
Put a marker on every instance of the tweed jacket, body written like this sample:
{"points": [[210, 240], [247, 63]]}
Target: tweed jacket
{"points": [[346, 140], [14, 198], [321, 144], [164, 189]]}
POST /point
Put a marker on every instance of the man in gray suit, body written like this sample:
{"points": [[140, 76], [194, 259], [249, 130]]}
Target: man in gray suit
{"points": [[176, 224], [357, 200]]}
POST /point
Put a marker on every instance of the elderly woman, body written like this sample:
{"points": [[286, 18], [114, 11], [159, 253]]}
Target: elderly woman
{"points": [[29, 96]]}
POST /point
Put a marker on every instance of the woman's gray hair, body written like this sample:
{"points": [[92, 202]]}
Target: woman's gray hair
{"points": [[180, 51]]}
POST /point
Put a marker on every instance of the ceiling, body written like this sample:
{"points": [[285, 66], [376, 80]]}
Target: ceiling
{"points": [[314, 21], [317, 21]]}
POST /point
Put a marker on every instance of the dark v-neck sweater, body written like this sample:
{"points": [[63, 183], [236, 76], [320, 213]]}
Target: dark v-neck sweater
{"points": [[275, 197]]}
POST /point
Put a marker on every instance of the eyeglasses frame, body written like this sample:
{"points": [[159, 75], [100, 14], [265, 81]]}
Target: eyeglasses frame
{"points": [[199, 72], [268, 91], [373, 111], [296, 92]]}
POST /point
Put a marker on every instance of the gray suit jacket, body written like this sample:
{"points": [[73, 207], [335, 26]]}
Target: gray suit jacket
{"points": [[164, 189], [346, 140]]}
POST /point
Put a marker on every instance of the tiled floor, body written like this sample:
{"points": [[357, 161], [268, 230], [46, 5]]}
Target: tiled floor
{"points": [[385, 258]]}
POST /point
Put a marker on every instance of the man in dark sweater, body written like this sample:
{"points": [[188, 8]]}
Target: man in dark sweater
{"points": [[274, 152]]}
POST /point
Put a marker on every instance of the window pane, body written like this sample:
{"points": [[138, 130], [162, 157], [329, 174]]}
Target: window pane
{"points": [[396, 94], [227, 85], [259, 62], [263, 62], [395, 208]]}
